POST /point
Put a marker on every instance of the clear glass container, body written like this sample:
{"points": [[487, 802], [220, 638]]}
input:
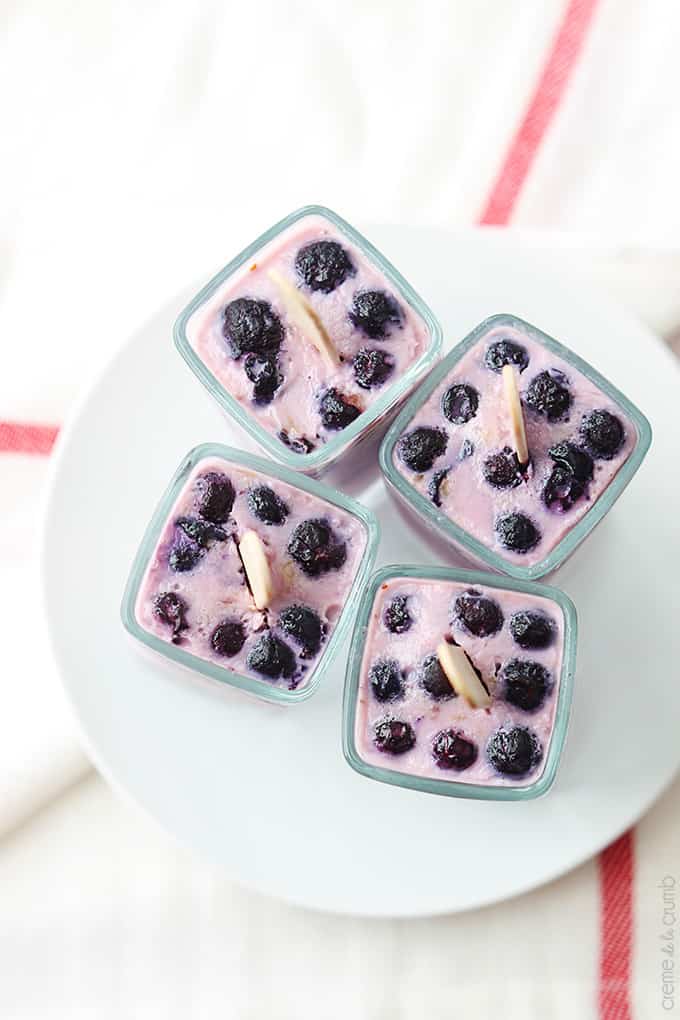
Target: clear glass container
{"points": [[470, 546], [452, 788], [320, 458], [213, 671]]}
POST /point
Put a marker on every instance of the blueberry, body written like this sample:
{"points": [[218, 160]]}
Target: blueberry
{"points": [[573, 459], [228, 637], [336, 411], [548, 394], [420, 448], [374, 312], [298, 444], [385, 679], [251, 326], [502, 469], [525, 683], [515, 751], [263, 372], [201, 532], [372, 367], [393, 736], [568, 479], [315, 548], [451, 749], [215, 497], [466, 449], [434, 486], [505, 352], [264, 504], [272, 657], [516, 532], [460, 403], [433, 679], [396, 615], [602, 433], [304, 626], [323, 265], [184, 556], [531, 629], [171, 609], [477, 613]]}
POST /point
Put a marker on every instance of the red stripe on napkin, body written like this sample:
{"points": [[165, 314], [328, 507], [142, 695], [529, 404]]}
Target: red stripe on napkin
{"points": [[543, 105], [616, 928], [20, 437]]}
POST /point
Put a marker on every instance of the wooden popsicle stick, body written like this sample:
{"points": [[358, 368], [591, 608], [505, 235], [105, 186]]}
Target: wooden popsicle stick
{"points": [[462, 677], [255, 563], [304, 316], [514, 405]]}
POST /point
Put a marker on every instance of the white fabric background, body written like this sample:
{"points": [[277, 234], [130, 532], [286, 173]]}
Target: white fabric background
{"points": [[141, 145]]}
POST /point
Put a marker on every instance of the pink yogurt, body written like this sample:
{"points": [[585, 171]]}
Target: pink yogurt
{"points": [[215, 588], [294, 410], [430, 604], [467, 498]]}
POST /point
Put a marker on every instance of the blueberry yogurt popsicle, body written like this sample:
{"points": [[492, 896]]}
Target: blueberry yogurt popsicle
{"points": [[307, 334], [459, 683], [250, 573], [515, 445]]}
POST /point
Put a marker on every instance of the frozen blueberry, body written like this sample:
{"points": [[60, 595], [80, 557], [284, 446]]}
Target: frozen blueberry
{"points": [[298, 444], [264, 504], [228, 637], [602, 433], [460, 403], [568, 479], [531, 629], [396, 615], [201, 532], [272, 657], [525, 683], [215, 497], [336, 410], [385, 679], [420, 448], [514, 751], [505, 352], [372, 367], [315, 548], [323, 265], [374, 312], [477, 613], [502, 469], [171, 609], [466, 449], [304, 626], [251, 327], [184, 556], [548, 394], [451, 749], [434, 486], [574, 459], [393, 736], [433, 679], [517, 532], [263, 372]]}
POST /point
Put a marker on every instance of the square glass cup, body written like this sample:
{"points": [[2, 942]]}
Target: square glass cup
{"points": [[471, 547], [267, 690], [447, 787], [322, 457]]}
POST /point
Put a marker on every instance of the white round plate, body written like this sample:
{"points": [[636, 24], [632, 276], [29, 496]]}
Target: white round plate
{"points": [[264, 792]]}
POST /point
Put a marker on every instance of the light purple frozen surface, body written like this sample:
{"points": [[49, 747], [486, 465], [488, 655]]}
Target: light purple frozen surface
{"points": [[215, 589], [467, 498], [295, 407], [430, 604]]}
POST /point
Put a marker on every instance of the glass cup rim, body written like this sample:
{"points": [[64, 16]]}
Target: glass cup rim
{"points": [[446, 787], [454, 532], [262, 689], [321, 457]]}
